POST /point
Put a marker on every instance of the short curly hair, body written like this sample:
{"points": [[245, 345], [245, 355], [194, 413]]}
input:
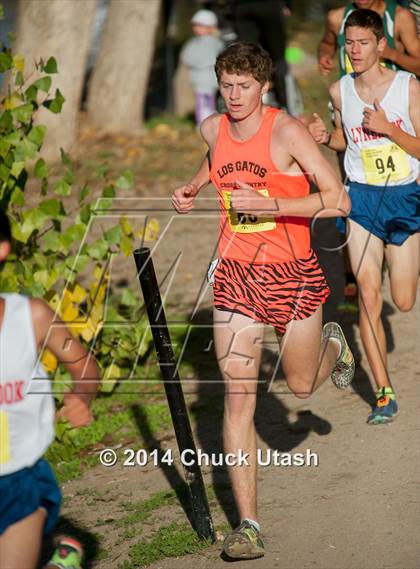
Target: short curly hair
{"points": [[245, 58]]}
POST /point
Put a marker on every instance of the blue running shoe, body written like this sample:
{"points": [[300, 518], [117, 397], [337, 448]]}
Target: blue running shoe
{"points": [[385, 408]]}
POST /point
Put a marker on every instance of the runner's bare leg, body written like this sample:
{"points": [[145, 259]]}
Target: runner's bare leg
{"points": [[238, 342], [27, 531], [366, 255], [404, 265], [305, 362]]}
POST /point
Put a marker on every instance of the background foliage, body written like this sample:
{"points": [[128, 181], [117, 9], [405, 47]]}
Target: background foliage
{"points": [[53, 247]]}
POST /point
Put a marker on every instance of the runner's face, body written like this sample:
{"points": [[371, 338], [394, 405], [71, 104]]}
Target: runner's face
{"points": [[362, 47], [241, 93]]}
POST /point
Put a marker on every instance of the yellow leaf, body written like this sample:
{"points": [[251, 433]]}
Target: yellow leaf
{"points": [[111, 375], [78, 326], [86, 329], [96, 314], [125, 225], [49, 361], [152, 230], [19, 62], [99, 293], [78, 294], [52, 298], [98, 272], [126, 244], [65, 301], [12, 102], [70, 313], [87, 333], [112, 372]]}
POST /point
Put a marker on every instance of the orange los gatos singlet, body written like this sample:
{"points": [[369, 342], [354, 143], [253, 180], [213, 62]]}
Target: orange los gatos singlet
{"points": [[245, 237]]}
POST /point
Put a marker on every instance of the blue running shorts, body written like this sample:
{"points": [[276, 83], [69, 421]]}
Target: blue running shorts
{"points": [[26, 490], [392, 213]]}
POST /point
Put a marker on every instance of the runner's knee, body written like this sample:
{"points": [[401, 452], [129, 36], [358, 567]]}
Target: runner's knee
{"points": [[300, 385], [371, 298], [240, 398], [404, 300]]}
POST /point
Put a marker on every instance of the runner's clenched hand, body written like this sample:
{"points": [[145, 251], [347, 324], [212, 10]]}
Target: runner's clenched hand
{"points": [[183, 198], [248, 200], [375, 120], [325, 64], [318, 130], [75, 410]]}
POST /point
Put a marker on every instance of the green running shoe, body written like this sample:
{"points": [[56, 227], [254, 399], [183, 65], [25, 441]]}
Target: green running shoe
{"points": [[244, 543], [384, 410], [68, 554], [350, 301], [343, 371]]}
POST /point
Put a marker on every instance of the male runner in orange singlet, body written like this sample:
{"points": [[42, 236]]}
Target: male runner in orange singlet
{"points": [[267, 272]]}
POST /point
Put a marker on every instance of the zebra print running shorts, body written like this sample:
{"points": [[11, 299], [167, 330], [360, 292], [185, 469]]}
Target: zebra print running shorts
{"points": [[272, 293]]}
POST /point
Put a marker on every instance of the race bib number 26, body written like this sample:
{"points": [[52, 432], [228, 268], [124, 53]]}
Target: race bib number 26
{"points": [[245, 222], [385, 163]]}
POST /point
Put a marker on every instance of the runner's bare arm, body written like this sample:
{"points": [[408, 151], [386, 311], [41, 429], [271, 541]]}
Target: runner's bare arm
{"points": [[337, 140], [183, 196], [376, 120], [331, 201], [318, 129], [202, 176], [70, 352], [405, 30], [328, 45]]}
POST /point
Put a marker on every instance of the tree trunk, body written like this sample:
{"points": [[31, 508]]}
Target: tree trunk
{"points": [[119, 80], [183, 92], [61, 29]]}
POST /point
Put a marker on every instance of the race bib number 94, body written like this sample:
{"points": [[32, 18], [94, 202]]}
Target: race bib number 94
{"points": [[245, 222], [382, 163]]}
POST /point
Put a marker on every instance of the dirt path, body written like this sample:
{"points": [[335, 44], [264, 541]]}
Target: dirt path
{"points": [[359, 508]]}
